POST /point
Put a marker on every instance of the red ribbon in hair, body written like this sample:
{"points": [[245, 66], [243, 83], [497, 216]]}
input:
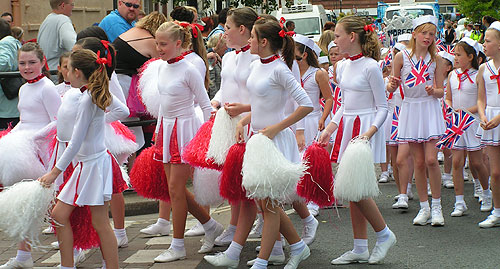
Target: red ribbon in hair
{"points": [[369, 27], [109, 62], [259, 17], [46, 65], [194, 28], [282, 33], [282, 22], [101, 61]]}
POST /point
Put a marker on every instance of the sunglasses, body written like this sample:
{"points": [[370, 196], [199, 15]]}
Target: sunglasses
{"points": [[298, 58], [129, 5]]}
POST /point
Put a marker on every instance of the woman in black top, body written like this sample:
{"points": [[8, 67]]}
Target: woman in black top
{"points": [[449, 35]]}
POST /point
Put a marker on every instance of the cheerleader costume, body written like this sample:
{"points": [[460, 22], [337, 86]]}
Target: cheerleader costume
{"points": [[198, 62], [491, 78], [464, 95], [420, 118], [394, 101], [63, 87], [270, 84], [363, 103], [312, 89]]}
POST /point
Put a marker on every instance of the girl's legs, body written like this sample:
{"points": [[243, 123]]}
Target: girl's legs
{"points": [[118, 214], [399, 156], [476, 164], [458, 159], [61, 214], [447, 177], [109, 247], [227, 236], [384, 177], [393, 154], [309, 222], [434, 171], [494, 158]]}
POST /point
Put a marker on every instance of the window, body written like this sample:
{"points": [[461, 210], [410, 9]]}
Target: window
{"points": [[307, 26]]}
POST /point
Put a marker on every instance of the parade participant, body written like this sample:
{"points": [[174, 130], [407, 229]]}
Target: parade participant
{"points": [[488, 104], [364, 108], [91, 182], [461, 94], [180, 85], [420, 71], [444, 155], [62, 74]]}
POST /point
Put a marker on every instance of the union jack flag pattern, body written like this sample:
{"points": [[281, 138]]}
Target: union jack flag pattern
{"points": [[394, 123], [442, 47], [447, 112], [419, 74], [460, 121]]}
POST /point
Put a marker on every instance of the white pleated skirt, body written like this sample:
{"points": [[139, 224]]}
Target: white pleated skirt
{"points": [[468, 141], [59, 149], [91, 182], [420, 120], [489, 137], [185, 129], [311, 126]]}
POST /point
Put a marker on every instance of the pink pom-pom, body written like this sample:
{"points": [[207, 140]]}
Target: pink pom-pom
{"points": [[195, 152], [317, 183], [230, 183], [148, 177], [119, 184], [6, 131], [123, 130]]}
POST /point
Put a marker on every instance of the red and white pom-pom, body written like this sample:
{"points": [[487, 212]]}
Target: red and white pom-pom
{"points": [[148, 177], [119, 184], [148, 86], [6, 131], [206, 187], [45, 141], [317, 183], [230, 183], [222, 136], [119, 140], [195, 153]]}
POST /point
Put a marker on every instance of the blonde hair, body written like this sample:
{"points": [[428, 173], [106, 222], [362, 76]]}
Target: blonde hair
{"points": [[151, 22], [85, 60], [432, 47], [214, 40], [370, 45], [176, 32], [325, 39], [497, 32]]}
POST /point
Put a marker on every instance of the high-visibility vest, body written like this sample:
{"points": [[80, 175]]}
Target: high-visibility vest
{"points": [[475, 35]]}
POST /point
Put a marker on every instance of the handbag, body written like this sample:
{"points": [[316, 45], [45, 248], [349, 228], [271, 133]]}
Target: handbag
{"points": [[10, 86]]}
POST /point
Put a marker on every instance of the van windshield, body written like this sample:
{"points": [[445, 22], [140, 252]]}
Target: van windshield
{"points": [[307, 26], [413, 12]]}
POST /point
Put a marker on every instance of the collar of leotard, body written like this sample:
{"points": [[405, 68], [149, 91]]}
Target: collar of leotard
{"points": [[270, 59], [187, 52], [38, 78], [243, 49], [355, 57], [176, 59], [83, 88], [67, 83]]}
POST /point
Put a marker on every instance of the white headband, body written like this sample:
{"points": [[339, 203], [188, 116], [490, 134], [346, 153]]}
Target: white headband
{"points": [[304, 40], [404, 37], [323, 60], [332, 45], [317, 50], [471, 43], [425, 19], [495, 25], [399, 46], [447, 56]]}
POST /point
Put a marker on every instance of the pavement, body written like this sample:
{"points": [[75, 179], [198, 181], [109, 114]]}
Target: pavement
{"points": [[459, 244]]}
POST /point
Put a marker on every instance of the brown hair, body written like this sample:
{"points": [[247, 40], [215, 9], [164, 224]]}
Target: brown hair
{"points": [[325, 39], [432, 48], [96, 45], [311, 55], [370, 46], [151, 22], [270, 29], [245, 16], [199, 48], [469, 50], [54, 4], [35, 48], [65, 55], [98, 82]]}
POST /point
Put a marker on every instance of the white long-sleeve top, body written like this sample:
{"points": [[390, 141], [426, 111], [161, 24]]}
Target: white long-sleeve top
{"points": [[270, 85], [180, 85], [362, 88], [466, 96], [38, 104], [198, 62]]}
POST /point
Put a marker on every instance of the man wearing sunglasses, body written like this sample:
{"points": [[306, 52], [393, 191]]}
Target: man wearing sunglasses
{"points": [[122, 19]]}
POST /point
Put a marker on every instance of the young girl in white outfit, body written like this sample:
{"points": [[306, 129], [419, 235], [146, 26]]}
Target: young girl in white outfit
{"points": [[64, 85], [364, 107], [461, 94], [420, 72], [488, 103], [91, 182], [180, 85]]}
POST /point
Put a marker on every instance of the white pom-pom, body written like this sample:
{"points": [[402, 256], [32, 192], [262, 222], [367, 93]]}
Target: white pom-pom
{"points": [[206, 187], [266, 171], [43, 139], [148, 88], [19, 158], [355, 179], [24, 208], [118, 144], [223, 136]]}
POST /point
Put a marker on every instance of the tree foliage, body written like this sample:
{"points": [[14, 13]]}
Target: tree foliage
{"points": [[476, 9]]}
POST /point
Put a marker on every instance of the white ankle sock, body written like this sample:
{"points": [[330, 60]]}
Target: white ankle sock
{"points": [[308, 219], [459, 199], [209, 226], [231, 228], [403, 195], [233, 251], [120, 233], [296, 249], [383, 235], [23, 256], [360, 246], [177, 244], [495, 212], [277, 248], [260, 263], [476, 181], [436, 201], [162, 222], [424, 204]]}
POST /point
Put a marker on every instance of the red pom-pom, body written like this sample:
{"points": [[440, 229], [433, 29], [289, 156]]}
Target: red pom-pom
{"points": [[230, 183], [119, 184], [195, 152], [6, 131], [123, 130], [317, 183], [148, 177]]}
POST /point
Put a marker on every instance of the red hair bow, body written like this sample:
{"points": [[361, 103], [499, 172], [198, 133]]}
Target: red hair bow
{"points": [[282, 22], [109, 60], [369, 27], [283, 33], [194, 28], [101, 61]]}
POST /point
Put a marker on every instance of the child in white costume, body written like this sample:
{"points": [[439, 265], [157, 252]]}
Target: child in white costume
{"points": [[364, 110]]}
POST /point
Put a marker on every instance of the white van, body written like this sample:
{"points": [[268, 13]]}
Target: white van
{"points": [[308, 19]]}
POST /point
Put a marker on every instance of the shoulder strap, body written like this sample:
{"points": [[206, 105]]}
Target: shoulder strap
{"points": [[138, 39]]}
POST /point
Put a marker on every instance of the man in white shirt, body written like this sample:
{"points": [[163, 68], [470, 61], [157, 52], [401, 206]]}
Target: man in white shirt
{"points": [[57, 34]]}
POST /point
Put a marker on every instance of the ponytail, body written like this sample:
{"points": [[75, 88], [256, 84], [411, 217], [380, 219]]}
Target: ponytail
{"points": [[370, 46], [288, 51], [277, 37], [199, 48]]}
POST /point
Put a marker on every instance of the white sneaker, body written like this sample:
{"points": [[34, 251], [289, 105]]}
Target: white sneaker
{"points": [[447, 181], [313, 209], [55, 245], [402, 203], [389, 169], [490, 221], [409, 194], [196, 230], [221, 260], [459, 210], [466, 175], [429, 192], [13, 263], [351, 257], [486, 203], [273, 260], [440, 156], [49, 230], [380, 250], [122, 242], [171, 255], [209, 239], [437, 216], [256, 231], [423, 216], [225, 238], [309, 232], [257, 249], [384, 177], [156, 229], [294, 260], [478, 190]]}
